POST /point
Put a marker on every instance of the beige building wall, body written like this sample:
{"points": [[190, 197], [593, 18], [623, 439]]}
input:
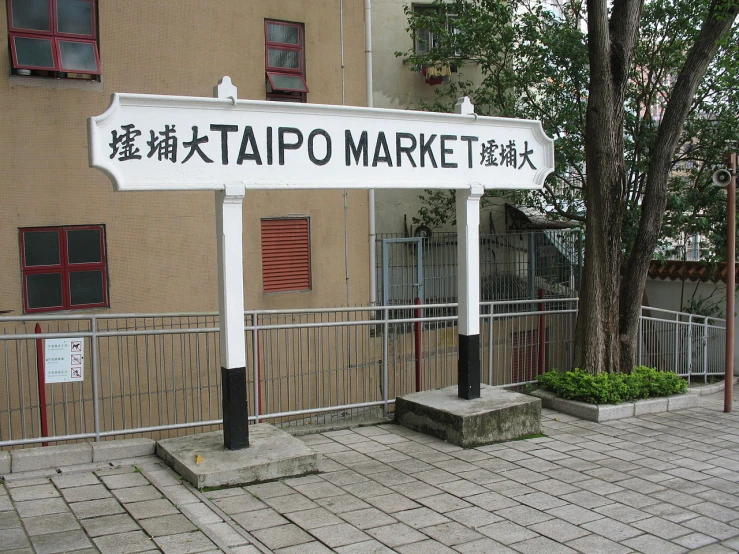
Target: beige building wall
{"points": [[161, 245]]}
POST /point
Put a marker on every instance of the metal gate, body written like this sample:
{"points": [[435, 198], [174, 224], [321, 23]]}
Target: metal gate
{"points": [[402, 271]]}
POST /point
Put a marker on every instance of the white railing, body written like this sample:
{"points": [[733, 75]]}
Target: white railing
{"points": [[158, 374]]}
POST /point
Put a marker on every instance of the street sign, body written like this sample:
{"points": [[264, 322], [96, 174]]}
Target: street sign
{"points": [[146, 142]]}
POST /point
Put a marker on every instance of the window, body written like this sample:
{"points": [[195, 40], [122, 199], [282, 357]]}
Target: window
{"points": [[63, 268], [424, 38], [286, 254], [285, 61], [56, 38]]}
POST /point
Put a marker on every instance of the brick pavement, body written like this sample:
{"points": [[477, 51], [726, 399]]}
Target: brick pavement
{"points": [[659, 483]]}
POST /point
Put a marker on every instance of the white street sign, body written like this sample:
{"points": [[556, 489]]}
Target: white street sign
{"points": [[146, 142], [64, 360]]}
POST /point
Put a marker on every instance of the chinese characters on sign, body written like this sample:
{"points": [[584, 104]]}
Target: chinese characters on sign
{"points": [[421, 149], [64, 360]]}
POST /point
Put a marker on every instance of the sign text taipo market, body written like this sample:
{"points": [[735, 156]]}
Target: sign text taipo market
{"points": [[275, 145]]}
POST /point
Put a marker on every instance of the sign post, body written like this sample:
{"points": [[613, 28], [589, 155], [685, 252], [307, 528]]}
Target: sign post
{"points": [[150, 142]]}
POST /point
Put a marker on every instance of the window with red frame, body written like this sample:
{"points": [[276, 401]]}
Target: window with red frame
{"points": [[56, 38], [286, 254], [64, 268], [284, 61]]}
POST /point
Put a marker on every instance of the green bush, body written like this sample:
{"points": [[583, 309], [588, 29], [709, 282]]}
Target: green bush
{"points": [[612, 388]]}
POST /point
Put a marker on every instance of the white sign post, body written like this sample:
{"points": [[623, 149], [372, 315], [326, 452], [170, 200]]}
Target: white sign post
{"points": [[147, 142], [64, 360]]}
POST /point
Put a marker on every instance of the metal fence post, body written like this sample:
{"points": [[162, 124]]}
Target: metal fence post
{"points": [[385, 359], [256, 362], [690, 346], [95, 377]]}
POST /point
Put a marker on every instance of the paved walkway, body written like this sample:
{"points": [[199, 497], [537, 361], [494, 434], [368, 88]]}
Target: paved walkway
{"points": [[663, 483]]}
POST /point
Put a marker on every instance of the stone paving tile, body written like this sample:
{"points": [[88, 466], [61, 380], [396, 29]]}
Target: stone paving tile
{"points": [[661, 528], [185, 543], [96, 508], [290, 503], [87, 492], [538, 545], [124, 480], [396, 534], [200, 514], [586, 499], [316, 517], [650, 543], [151, 508], [416, 490], [241, 502], [558, 530], [341, 504], [473, 517], [166, 525], [483, 546], [366, 547], [283, 536], [507, 532], [612, 529], [425, 547], [14, 538], [109, 525], [451, 533], [711, 527], [65, 541], [693, 541], [492, 501], [74, 480], [259, 519], [372, 517], [524, 515], [305, 548], [622, 513], [596, 543], [52, 523], [137, 494], [34, 492], [120, 543]]}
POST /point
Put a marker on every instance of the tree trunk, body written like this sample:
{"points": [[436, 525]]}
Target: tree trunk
{"points": [[610, 49], [717, 25]]}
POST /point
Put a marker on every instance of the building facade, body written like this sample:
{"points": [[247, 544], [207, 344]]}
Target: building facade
{"points": [[69, 242]]}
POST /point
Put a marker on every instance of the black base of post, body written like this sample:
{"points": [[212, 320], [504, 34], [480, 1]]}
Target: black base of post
{"points": [[468, 370], [235, 413]]}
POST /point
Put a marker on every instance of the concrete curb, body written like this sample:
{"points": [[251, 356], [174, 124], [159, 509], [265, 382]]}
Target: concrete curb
{"points": [[52, 457]]}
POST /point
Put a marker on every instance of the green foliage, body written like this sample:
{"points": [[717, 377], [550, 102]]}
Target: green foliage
{"points": [[612, 388], [533, 63]]}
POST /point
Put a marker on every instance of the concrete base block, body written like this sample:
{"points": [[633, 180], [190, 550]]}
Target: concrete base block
{"points": [[498, 415], [31, 459], [681, 401], [4, 462], [650, 406], [582, 410], [272, 454], [119, 449]]}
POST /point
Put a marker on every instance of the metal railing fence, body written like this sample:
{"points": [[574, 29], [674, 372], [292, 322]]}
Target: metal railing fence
{"points": [[158, 374]]}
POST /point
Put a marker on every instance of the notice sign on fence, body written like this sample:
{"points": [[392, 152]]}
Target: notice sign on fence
{"points": [[64, 360]]}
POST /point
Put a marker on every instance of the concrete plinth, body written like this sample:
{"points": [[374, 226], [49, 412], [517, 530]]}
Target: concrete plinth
{"points": [[272, 454], [498, 415]]}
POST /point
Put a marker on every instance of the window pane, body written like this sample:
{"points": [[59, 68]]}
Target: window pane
{"points": [[288, 34], [83, 246], [41, 248], [31, 14], [86, 287], [78, 56], [289, 59], [34, 52], [44, 290], [74, 17], [287, 82]]}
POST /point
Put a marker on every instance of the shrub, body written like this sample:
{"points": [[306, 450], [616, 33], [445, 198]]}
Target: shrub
{"points": [[612, 388]]}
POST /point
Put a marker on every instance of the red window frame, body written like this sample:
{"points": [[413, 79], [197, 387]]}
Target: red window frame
{"points": [[55, 36], [285, 94], [286, 254], [64, 267]]}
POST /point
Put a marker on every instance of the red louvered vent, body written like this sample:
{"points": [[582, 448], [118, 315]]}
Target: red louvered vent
{"points": [[286, 254]]}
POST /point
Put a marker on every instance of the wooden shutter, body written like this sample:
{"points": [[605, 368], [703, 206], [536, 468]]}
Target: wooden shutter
{"points": [[286, 254]]}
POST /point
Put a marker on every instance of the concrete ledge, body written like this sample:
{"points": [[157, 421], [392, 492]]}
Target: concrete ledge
{"points": [[117, 450], [272, 454], [710, 389], [650, 406], [610, 412], [47, 457], [4, 462], [498, 415]]}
